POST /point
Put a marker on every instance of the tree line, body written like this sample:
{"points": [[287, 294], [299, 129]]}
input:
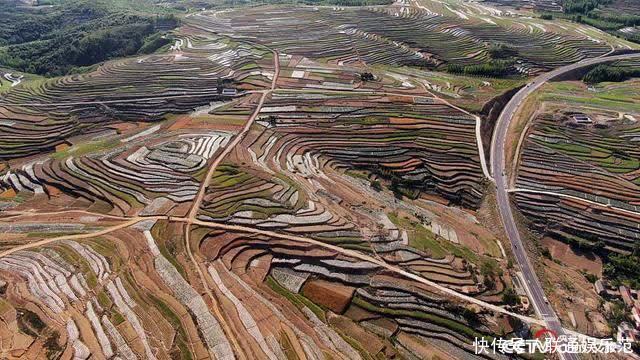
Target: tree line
{"points": [[492, 68], [597, 14], [610, 73]]}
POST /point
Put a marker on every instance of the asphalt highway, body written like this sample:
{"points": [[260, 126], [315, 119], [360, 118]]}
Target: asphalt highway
{"points": [[498, 169]]}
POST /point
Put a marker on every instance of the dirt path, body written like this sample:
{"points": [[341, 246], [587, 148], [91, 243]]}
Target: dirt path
{"points": [[36, 244], [64, 212], [195, 206], [361, 256], [483, 160]]}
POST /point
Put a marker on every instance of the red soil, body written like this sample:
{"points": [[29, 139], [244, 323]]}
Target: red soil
{"points": [[334, 296]]}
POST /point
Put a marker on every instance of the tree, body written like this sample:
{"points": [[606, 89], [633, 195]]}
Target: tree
{"points": [[610, 73], [367, 76], [502, 51], [471, 316], [489, 268], [546, 253], [489, 283], [74, 35], [599, 246], [493, 68], [510, 297], [624, 268], [375, 184], [591, 277], [636, 249]]}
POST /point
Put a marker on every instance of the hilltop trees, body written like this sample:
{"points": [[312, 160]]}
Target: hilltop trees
{"points": [[493, 68], [610, 73], [74, 34]]}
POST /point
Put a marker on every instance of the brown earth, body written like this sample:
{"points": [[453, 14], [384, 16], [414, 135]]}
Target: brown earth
{"points": [[569, 291], [357, 313], [8, 194], [421, 349], [371, 343], [575, 258], [62, 147], [335, 297]]}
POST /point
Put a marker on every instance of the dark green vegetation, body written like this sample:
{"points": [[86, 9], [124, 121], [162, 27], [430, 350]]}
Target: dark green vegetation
{"points": [[623, 269], [510, 297], [499, 64], [604, 15], [582, 6], [58, 39], [493, 68], [610, 73], [502, 51], [29, 322]]}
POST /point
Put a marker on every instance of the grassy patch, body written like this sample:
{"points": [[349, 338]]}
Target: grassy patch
{"points": [[87, 148], [168, 248], [104, 300], [287, 347], [116, 318], [420, 237]]}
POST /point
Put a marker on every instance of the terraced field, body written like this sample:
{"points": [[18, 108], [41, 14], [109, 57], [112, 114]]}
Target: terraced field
{"points": [[286, 182], [419, 143], [581, 181], [399, 35], [104, 301], [347, 295], [155, 175], [130, 294], [41, 114]]}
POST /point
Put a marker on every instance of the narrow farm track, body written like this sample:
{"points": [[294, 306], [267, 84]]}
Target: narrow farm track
{"points": [[207, 179], [195, 206], [105, 231], [483, 160]]}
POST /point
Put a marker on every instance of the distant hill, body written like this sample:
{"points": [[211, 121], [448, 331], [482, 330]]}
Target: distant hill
{"points": [[56, 39]]}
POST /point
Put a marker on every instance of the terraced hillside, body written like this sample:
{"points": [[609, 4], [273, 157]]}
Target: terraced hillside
{"points": [[39, 115], [287, 182], [407, 140], [400, 35], [132, 293], [578, 177]]}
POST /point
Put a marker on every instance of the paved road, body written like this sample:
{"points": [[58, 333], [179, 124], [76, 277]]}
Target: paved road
{"points": [[498, 162]]}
